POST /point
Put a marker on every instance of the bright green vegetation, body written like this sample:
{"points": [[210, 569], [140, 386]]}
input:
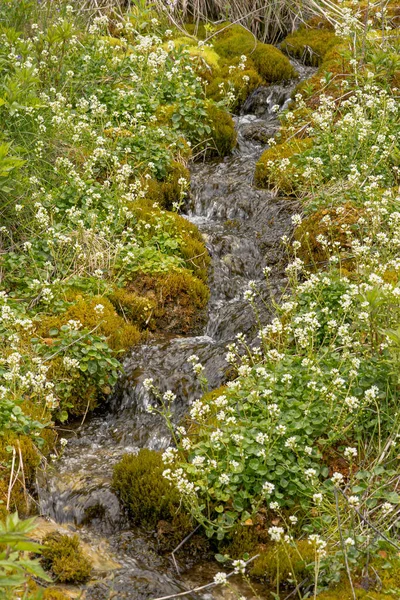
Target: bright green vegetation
{"points": [[64, 558], [302, 445], [16, 567]]}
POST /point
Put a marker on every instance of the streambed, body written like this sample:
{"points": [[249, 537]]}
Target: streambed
{"points": [[242, 227]]}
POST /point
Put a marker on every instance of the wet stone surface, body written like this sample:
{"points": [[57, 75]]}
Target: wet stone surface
{"points": [[242, 227]]}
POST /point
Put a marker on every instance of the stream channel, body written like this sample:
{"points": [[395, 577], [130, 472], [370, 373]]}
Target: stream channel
{"points": [[242, 227]]}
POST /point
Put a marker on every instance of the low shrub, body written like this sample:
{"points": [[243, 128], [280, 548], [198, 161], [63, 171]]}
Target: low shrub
{"points": [[142, 490], [63, 556]]}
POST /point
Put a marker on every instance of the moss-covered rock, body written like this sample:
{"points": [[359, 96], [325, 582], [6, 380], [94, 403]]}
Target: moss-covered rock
{"points": [[63, 556], [276, 168], [132, 307], [120, 333], [271, 64], [168, 191], [333, 225], [180, 298], [54, 594], [310, 45], [142, 490], [241, 82], [223, 133]]}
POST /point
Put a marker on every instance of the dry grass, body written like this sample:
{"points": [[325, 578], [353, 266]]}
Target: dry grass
{"points": [[268, 20]]}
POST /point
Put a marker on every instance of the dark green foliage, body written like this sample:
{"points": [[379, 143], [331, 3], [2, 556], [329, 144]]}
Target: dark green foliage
{"points": [[63, 555], [141, 488]]}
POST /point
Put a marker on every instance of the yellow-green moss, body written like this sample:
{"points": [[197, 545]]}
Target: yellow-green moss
{"points": [[278, 563], [141, 488], [310, 45], [332, 224], [19, 498], [344, 592], [269, 173], [179, 297], [120, 334], [206, 52], [243, 540], [132, 307], [271, 64], [63, 556], [54, 594], [242, 82], [168, 191], [223, 135]]}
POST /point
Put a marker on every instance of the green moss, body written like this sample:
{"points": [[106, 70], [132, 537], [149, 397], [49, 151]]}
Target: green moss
{"points": [[63, 556], [243, 540], [334, 225], [223, 133], [206, 52], [271, 64], [19, 498], [179, 297], [344, 592], [120, 334], [278, 562], [310, 45], [271, 174], [241, 82], [141, 488], [54, 594], [167, 191], [133, 307]]}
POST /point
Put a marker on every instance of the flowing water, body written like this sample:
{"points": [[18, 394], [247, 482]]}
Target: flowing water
{"points": [[242, 227]]}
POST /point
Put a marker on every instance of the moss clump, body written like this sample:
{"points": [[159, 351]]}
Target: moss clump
{"points": [[119, 333], [223, 134], [132, 307], [139, 484], [278, 564], [276, 169], [190, 240], [344, 592], [63, 556], [179, 296], [25, 449], [54, 594], [168, 191], [334, 225], [310, 45], [205, 53], [271, 64], [241, 82], [243, 540]]}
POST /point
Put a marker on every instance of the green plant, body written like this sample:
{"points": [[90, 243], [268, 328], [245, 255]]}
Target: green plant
{"points": [[16, 567]]}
